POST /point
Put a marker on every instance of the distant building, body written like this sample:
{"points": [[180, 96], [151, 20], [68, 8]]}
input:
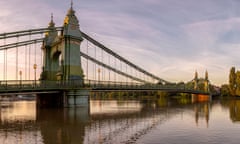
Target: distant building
{"points": [[201, 83]]}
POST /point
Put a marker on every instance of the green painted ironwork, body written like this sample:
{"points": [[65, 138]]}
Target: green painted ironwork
{"points": [[39, 86]]}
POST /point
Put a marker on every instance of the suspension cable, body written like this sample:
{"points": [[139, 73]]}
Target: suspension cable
{"points": [[95, 67], [17, 58], [4, 59], [96, 43], [102, 62], [41, 51], [115, 68], [6, 52], [29, 59], [35, 53], [35, 60], [87, 61], [109, 75], [111, 67], [25, 62], [27, 32]]}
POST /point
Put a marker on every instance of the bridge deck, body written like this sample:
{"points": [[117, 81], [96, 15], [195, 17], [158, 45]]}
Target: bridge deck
{"points": [[43, 86]]}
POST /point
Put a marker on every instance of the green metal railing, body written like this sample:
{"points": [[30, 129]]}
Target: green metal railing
{"points": [[31, 85], [92, 85]]}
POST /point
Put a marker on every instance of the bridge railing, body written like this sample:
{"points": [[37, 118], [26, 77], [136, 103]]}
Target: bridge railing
{"points": [[32, 85], [131, 85], [95, 83], [77, 83]]}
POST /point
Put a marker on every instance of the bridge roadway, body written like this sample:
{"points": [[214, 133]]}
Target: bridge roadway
{"points": [[26, 86]]}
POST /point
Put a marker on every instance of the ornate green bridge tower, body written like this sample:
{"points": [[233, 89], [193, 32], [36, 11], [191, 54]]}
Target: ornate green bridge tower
{"points": [[61, 52], [62, 62]]}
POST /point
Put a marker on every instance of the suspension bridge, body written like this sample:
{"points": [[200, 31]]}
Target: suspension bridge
{"points": [[66, 60]]}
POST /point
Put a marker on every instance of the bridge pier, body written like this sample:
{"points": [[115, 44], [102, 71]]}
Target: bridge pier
{"points": [[76, 98], [49, 100], [71, 98]]}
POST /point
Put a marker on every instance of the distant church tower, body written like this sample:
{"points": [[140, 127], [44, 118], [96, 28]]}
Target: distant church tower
{"points": [[206, 82], [196, 80]]}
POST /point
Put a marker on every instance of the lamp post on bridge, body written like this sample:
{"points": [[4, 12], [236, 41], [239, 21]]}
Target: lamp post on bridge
{"points": [[35, 67]]}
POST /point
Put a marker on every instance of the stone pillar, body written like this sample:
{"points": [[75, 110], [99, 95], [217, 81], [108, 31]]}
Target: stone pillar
{"points": [[72, 98], [76, 98], [50, 100]]}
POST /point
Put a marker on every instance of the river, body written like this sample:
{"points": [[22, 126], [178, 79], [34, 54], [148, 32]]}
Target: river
{"points": [[164, 120]]}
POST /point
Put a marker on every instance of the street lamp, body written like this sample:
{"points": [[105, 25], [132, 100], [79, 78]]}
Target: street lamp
{"points": [[35, 67]]}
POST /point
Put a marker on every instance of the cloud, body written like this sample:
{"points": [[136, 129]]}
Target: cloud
{"points": [[169, 38], [174, 38], [215, 43]]}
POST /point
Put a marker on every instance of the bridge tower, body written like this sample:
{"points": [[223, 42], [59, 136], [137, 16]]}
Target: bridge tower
{"points": [[61, 53], [62, 62]]}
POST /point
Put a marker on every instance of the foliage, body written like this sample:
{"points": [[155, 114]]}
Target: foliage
{"points": [[237, 90], [232, 81], [225, 91], [234, 84], [189, 85]]}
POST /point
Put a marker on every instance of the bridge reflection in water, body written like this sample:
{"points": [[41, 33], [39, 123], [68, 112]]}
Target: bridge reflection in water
{"points": [[105, 121]]}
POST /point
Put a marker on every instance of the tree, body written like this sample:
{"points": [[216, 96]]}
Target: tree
{"points": [[237, 81], [232, 81], [225, 90]]}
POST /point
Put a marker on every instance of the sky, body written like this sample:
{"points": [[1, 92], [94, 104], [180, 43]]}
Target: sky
{"points": [[170, 38]]}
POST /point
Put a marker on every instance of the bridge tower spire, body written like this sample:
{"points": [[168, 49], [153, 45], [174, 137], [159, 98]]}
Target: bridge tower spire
{"points": [[71, 4], [72, 38], [50, 64], [62, 62]]}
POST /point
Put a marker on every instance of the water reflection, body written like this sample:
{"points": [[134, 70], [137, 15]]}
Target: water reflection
{"points": [[19, 110], [202, 110], [62, 126], [114, 106], [235, 110], [108, 121], [18, 122]]}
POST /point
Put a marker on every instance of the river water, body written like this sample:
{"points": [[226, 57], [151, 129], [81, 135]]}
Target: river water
{"points": [[164, 120]]}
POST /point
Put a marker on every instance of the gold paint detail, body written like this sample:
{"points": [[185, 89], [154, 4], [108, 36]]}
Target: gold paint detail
{"points": [[66, 20]]}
